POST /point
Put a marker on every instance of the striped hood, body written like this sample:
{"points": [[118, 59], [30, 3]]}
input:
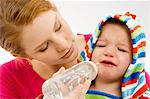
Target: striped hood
{"points": [[134, 83]]}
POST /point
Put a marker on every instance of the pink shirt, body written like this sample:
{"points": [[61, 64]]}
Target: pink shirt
{"points": [[19, 80]]}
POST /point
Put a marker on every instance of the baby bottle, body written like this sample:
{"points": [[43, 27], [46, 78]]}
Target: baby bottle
{"points": [[60, 86]]}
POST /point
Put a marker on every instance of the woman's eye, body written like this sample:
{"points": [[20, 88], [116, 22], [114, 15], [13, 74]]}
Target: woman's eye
{"points": [[58, 27], [44, 48]]}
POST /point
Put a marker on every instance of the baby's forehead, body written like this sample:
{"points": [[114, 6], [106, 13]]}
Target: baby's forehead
{"points": [[113, 26], [112, 30], [115, 37]]}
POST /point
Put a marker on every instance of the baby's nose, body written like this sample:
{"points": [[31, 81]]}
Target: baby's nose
{"points": [[108, 54], [110, 51]]}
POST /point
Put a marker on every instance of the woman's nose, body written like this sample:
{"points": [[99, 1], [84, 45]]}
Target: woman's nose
{"points": [[61, 43]]}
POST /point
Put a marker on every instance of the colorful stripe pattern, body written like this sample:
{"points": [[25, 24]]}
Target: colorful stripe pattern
{"points": [[134, 83], [87, 52], [94, 94]]}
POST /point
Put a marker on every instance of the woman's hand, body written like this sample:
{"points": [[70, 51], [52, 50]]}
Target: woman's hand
{"points": [[60, 71], [80, 91]]}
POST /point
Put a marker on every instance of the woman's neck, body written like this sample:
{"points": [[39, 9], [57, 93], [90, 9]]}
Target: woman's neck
{"points": [[43, 70], [113, 88]]}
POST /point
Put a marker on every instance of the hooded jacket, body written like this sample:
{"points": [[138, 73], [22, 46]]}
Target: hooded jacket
{"points": [[136, 82]]}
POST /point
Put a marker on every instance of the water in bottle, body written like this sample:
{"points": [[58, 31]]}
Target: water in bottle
{"points": [[60, 86]]}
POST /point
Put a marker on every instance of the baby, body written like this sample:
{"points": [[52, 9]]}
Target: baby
{"points": [[120, 50]]}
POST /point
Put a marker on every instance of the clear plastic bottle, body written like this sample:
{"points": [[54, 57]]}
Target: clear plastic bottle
{"points": [[59, 86]]}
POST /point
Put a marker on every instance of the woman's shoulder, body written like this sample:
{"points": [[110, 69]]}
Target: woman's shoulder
{"points": [[15, 64], [15, 71], [18, 79]]}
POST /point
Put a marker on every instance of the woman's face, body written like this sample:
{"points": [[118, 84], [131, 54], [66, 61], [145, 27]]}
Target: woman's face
{"points": [[49, 39]]}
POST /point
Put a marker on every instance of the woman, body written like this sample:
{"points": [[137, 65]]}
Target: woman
{"points": [[34, 32]]}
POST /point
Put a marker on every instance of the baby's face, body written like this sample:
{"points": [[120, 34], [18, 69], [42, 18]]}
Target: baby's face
{"points": [[113, 51]]}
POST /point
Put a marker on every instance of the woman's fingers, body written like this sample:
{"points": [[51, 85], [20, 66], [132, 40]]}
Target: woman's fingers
{"points": [[86, 86], [80, 91], [61, 70]]}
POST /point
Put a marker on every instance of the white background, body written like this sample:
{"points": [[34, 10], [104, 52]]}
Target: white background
{"points": [[83, 16]]}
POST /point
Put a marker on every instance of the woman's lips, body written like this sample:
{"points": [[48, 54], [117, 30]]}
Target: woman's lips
{"points": [[69, 52]]}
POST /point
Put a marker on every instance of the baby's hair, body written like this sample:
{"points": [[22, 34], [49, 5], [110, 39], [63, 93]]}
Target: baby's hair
{"points": [[117, 22]]}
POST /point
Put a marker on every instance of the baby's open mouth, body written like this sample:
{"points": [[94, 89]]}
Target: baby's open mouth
{"points": [[108, 62]]}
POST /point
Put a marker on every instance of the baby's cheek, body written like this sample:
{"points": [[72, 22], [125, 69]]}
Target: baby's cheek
{"points": [[94, 59]]}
